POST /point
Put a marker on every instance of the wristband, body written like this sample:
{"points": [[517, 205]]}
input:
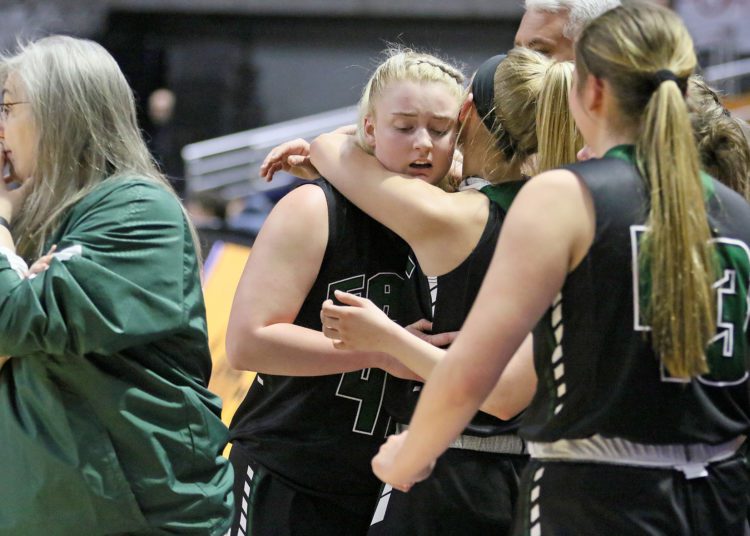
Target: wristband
{"points": [[4, 223]]}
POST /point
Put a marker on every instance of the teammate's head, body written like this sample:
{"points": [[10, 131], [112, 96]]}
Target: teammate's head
{"points": [[632, 69], [82, 112], [552, 26], [723, 147], [519, 108], [408, 114]]}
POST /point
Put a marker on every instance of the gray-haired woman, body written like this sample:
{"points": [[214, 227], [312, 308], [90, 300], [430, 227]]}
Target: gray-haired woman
{"points": [[105, 419]]}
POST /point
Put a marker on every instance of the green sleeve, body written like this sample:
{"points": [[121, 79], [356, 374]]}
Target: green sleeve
{"points": [[123, 288]]}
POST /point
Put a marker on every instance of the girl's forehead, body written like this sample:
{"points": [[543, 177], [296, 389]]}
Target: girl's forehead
{"points": [[436, 91]]}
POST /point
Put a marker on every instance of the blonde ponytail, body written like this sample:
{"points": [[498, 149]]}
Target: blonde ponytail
{"points": [[532, 113], [646, 54], [558, 139], [676, 248]]}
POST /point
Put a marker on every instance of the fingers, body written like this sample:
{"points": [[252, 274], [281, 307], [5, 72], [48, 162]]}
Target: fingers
{"points": [[279, 157], [420, 325], [340, 345], [329, 323], [269, 169], [297, 160], [350, 299], [442, 339], [331, 332]]}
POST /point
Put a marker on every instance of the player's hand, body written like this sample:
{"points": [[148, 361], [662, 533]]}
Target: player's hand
{"points": [[292, 157], [441, 340], [359, 324], [385, 465], [42, 263]]}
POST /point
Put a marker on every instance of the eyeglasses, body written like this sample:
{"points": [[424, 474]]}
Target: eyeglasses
{"points": [[5, 108]]}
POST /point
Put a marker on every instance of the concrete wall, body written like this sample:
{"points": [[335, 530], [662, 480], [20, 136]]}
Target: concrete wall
{"points": [[237, 64], [234, 72]]}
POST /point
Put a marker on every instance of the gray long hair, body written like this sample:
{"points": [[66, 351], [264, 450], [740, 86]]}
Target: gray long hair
{"points": [[85, 115]]}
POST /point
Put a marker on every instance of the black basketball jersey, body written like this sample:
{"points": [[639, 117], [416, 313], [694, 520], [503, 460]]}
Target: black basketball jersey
{"points": [[597, 371], [447, 300], [320, 433]]}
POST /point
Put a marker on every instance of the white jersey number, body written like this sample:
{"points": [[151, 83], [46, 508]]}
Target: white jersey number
{"points": [[727, 349]]}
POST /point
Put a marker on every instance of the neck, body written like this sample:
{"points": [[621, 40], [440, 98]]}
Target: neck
{"points": [[611, 131], [599, 146], [483, 159]]}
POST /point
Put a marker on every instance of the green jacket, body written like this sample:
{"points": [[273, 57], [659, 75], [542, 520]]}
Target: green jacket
{"points": [[106, 425]]}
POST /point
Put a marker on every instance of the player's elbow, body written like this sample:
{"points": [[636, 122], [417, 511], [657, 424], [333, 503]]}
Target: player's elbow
{"points": [[241, 347]]}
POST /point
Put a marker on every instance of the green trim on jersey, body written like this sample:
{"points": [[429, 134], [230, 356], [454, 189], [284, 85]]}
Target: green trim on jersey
{"points": [[627, 153], [503, 193]]}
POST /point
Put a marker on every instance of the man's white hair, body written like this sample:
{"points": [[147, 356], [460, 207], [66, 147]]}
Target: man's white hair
{"points": [[580, 12]]}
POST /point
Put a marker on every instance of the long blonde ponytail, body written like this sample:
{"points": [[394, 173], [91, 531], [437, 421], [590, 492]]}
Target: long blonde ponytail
{"points": [[676, 248], [644, 52]]}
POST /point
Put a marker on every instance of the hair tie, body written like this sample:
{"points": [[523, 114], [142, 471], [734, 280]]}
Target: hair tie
{"points": [[664, 75], [483, 89]]}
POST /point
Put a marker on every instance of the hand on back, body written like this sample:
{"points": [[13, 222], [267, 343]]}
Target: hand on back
{"points": [[292, 157]]}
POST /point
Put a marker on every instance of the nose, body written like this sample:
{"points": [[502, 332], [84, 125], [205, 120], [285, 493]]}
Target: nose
{"points": [[422, 139]]}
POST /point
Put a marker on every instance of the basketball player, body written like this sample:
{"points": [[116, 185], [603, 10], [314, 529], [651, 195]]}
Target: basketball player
{"points": [[304, 435], [518, 106]]}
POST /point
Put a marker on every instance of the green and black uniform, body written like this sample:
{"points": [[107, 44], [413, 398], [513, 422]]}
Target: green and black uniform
{"points": [[473, 487], [618, 445], [106, 423], [303, 445]]}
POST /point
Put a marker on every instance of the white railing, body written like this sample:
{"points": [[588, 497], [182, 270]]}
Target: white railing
{"points": [[229, 164]]}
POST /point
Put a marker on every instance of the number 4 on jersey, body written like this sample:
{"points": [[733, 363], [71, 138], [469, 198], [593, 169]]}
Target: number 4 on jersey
{"points": [[367, 387]]}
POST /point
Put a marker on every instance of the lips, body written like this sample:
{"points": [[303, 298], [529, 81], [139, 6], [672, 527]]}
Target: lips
{"points": [[420, 167]]}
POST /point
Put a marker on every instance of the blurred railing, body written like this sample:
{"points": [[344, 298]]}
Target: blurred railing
{"points": [[228, 165]]}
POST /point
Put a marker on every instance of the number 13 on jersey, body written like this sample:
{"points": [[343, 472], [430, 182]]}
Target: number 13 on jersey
{"points": [[727, 350]]}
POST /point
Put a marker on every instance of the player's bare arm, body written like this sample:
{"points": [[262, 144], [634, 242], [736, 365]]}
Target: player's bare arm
{"points": [[360, 325], [280, 272]]}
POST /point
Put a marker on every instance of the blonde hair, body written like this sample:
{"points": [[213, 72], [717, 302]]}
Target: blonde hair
{"points": [[724, 149], [85, 116], [628, 47], [532, 112], [403, 64]]}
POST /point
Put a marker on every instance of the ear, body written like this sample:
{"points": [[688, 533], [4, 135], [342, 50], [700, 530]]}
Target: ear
{"points": [[466, 107], [369, 131], [595, 93]]}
